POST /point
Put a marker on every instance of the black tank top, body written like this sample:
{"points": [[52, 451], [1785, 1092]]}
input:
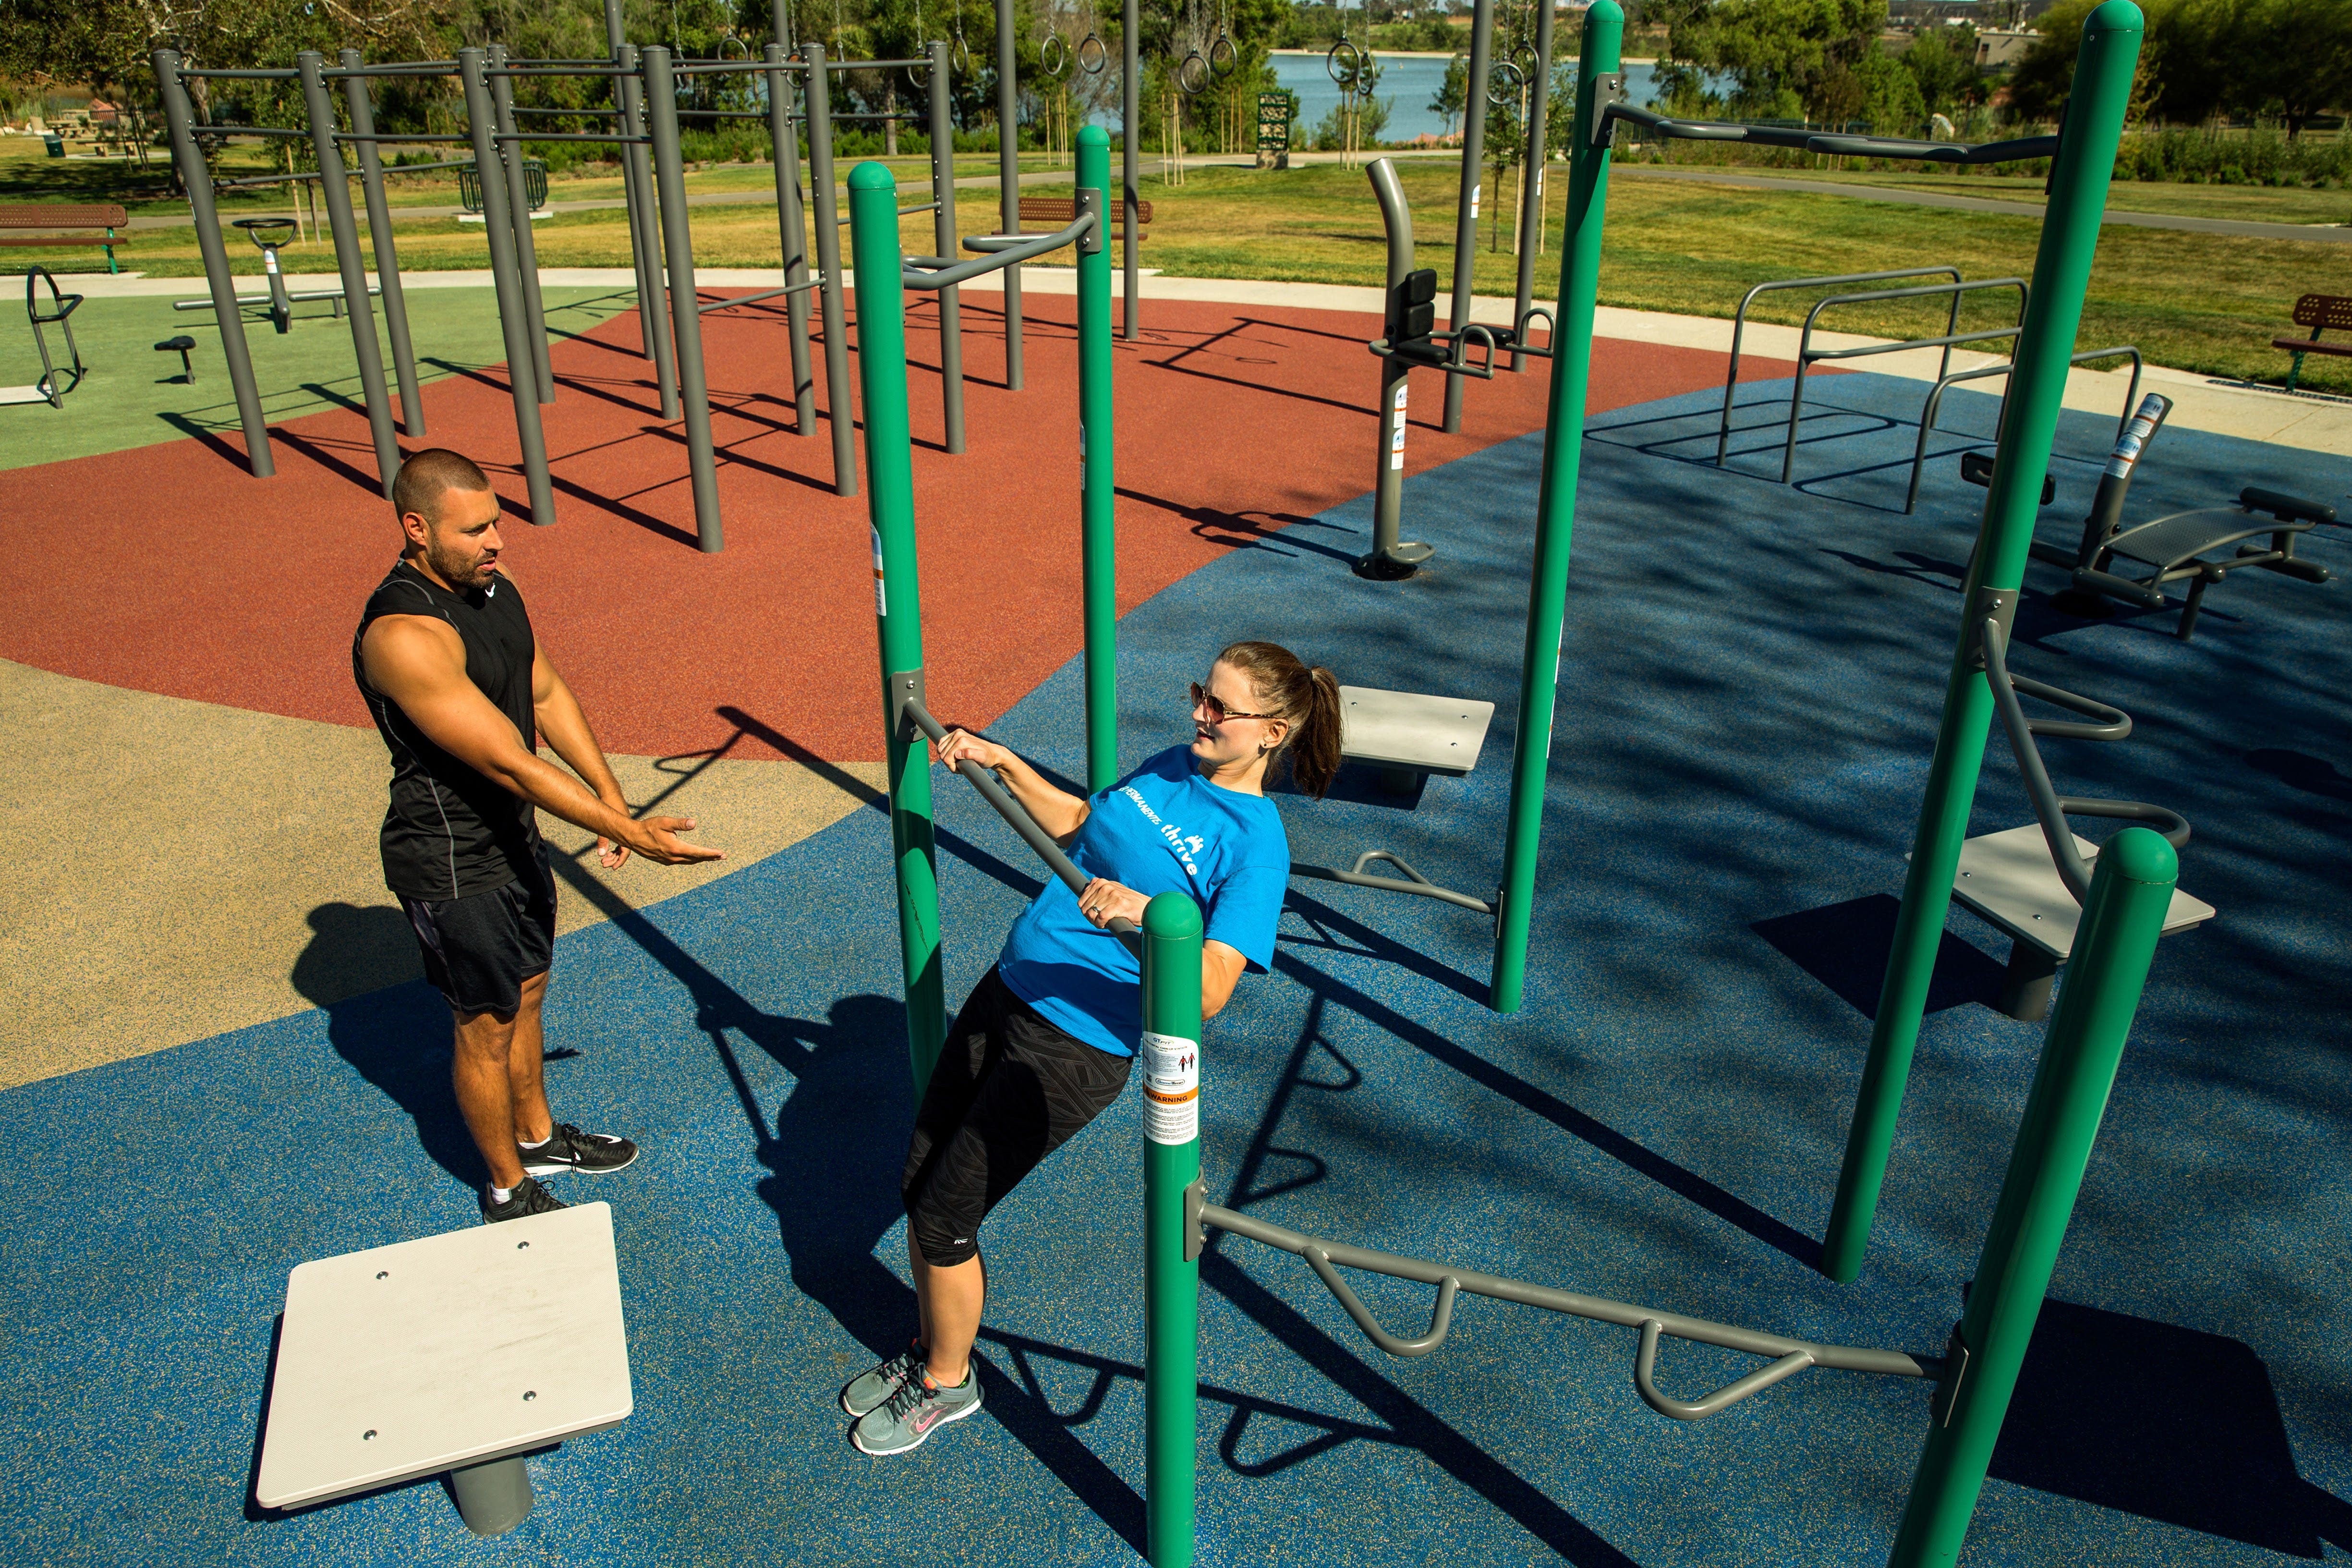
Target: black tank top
{"points": [[451, 831]]}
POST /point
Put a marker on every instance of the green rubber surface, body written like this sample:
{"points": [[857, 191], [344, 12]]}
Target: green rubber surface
{"points": [[133, 396]]}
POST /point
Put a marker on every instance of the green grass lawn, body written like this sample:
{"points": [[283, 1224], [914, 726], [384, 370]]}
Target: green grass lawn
{"points": [[134, 396], [2200, 302]]}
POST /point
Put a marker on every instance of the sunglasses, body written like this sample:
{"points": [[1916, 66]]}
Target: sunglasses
{"points": [[1218, 712]]}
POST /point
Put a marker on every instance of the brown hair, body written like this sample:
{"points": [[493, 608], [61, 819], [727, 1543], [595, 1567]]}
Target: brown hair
{"points": [[1307, 699], [429, 475]]}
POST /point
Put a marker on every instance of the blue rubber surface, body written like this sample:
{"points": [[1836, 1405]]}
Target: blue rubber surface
{"points": [[1753, 676]]}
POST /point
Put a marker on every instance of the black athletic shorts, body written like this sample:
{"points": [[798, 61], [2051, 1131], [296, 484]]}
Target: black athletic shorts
{"points": [[478, 951], [1011, 1088]]}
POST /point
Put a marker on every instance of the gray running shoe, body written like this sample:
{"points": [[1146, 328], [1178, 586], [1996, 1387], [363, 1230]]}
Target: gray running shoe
{"points": [[527, 1198], [908, 1417], [872, 1390]]}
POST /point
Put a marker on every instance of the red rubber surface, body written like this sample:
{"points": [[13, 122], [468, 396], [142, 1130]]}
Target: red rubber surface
{"points": [[171, 570]]}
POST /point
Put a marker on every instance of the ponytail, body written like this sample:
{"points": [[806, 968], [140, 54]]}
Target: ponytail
{"points": [[1305, 699]]}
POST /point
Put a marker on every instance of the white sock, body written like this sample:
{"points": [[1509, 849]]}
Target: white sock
{"points": [[540, 1144], [501, 1194]]}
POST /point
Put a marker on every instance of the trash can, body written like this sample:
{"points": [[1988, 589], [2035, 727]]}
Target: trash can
{"points": [[54, 143]]}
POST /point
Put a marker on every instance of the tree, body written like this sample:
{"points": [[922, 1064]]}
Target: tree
{"points": [[1942, 62], [1452, 93], [1785, 57], [2289, 58]]}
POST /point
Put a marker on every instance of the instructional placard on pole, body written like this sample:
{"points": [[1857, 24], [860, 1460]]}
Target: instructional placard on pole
{"points": [[1172, 1089]]}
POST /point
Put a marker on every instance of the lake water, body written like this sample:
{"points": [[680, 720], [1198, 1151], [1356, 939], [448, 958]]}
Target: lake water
{"points": [[1408, 82]]}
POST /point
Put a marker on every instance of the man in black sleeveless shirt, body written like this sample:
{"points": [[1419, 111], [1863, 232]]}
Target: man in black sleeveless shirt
{"points": [[461, 692]]}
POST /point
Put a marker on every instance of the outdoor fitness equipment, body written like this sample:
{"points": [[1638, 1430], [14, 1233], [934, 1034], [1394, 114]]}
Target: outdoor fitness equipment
{"points": [[644, 86], [55, 383], [2082, 156], [2174, 548], [2128, 897], [883, 276], [267, 233], [1973, 1379]]}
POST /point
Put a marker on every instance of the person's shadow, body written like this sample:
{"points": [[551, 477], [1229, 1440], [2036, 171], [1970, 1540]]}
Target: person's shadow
{"points": [[396, 1034], [835, 1151]]}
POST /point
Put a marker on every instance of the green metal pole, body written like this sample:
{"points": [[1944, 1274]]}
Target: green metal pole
{"points": [[1571, 376], [1171, 1060], [2130, 892], [2061, 272], [897, 596], [1099, 546]]}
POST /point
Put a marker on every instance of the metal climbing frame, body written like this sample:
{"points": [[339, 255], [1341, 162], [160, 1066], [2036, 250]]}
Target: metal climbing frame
{"points": [[2124, 910], [883, 276], [2069, 239], [1739, 327]]}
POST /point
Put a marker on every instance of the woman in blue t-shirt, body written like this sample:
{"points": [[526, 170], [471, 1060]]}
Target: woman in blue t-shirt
{"points": [[1045, 1041]]}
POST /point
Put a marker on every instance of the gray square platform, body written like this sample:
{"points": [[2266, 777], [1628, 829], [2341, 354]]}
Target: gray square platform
{"points": [[2008, 878], [444, 1352], [1410, 733]]}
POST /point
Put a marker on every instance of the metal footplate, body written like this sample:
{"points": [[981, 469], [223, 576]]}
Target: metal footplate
{"points": [[1408, 735], [1790, 1356]]}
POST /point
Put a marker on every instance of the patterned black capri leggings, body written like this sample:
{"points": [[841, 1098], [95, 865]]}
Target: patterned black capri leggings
{"points": [[1010, 1088]]}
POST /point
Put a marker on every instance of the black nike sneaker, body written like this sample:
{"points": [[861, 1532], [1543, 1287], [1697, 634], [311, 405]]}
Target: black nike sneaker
{"points": [[527, 1197], [569, 1149]]}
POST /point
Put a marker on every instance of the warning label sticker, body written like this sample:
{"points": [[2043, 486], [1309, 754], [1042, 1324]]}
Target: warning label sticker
{"points": [[1171, 1087], [881, 597]]}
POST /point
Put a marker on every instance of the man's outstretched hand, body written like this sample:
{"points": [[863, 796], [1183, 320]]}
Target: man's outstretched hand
{"points": [[657, 838]]}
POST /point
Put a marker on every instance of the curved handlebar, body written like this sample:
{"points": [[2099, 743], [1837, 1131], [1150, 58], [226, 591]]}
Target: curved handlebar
{"points": [[2050, 808], [1441, 1316], [1002, 251], [1645, 1363]]}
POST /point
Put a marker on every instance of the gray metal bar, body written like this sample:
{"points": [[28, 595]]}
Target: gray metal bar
{"points": [[791, 226], [492, 1499], [1008, 180], [195, 178], [1391, 557], [572, 113], [633, 195], [1610, 114], [1417, 884], [239, 74], [292, 296], [645, 220], [943, 230], [686, 322], [498, 228], [1327, 1256], [840, 400], [519, 205], [1465, 217], [600, 138], [1130, 32], [1531, 187], [387, 254], [1739, 326], [346, 236], [1004, 250], [707, 306], [904, 685]]}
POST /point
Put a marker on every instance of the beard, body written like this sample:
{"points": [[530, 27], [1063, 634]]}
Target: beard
{"points": [[462, 570]]}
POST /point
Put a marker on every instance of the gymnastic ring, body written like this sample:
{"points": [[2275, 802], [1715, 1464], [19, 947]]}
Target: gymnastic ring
{"points": [[1101, 59], [1192, 81], [1343, 75], [964, 50], [1526, 68], [1232, 56], [1510, 93], [1054, 55]]}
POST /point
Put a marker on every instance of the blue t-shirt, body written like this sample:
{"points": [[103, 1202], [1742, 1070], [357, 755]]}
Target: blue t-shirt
{"points": [[1163, 828]]}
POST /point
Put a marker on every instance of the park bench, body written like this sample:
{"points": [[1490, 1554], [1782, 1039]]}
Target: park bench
{"points": [[2321, 313], [56, 216], [1063, 211]]}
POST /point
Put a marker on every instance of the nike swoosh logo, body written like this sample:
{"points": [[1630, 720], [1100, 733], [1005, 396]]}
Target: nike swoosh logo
{"points": [[924, 1422]]}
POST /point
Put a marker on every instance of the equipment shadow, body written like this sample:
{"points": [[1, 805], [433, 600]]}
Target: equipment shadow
{"points": [[1846, 947], [2167, 1423]]}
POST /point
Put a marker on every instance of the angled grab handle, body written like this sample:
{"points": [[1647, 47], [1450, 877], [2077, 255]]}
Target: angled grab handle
{"points": [[1645, 1363], [1441, 1317]]}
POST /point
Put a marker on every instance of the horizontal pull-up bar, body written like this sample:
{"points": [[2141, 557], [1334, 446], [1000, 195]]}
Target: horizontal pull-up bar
{"points": [[412, 67], [239, 74], [381, 137], [582, 113], [248, 130], [1946, 342], [1611, 107], [590, 67], [909, 212], [1021, 822], [571, 136]]}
